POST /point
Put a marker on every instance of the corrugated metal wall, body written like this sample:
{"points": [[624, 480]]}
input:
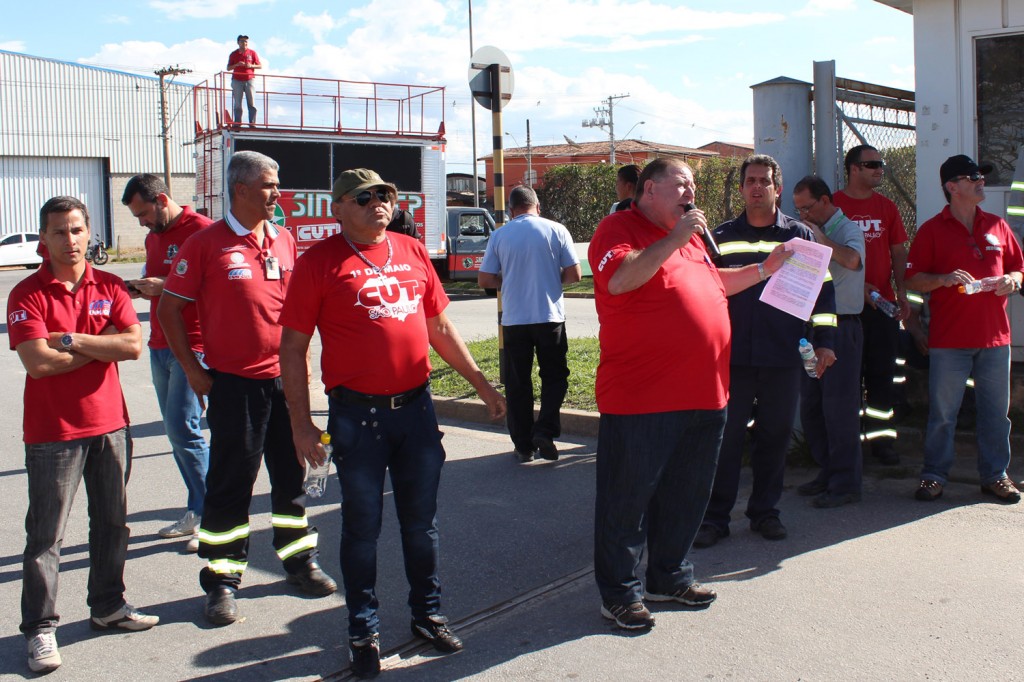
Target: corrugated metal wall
{"points": [[27, 182], [58, 109]]}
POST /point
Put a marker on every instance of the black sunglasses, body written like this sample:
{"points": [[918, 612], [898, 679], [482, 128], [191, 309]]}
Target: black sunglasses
{"points": [[873, 165], [975, 249], [973, 177], [366, 196]]}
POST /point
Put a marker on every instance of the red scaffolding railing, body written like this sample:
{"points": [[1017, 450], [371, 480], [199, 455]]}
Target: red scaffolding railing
{"points": [[322, 105]]}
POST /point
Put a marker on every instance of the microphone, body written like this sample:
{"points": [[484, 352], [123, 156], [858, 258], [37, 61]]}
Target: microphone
{"points": [[709, 241]]}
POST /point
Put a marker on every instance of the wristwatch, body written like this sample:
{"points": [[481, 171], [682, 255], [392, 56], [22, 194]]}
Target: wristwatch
{"points": [[65, 342]]}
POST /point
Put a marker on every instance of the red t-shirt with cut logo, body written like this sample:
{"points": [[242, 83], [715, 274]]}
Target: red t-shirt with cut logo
{"points": [[225, 274], [88, 401], [665, 345], [161, 248], [372, 326], [882, 225]]}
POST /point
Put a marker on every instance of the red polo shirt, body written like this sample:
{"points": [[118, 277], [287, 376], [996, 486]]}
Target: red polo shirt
{"points": [[882, 225], [665, 345], [243, 73], [384, 316], [943, 245], [87, 401], [161, 248], [222, 269]]}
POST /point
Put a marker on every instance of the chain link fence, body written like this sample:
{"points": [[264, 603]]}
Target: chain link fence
{"points": [[883, 118]]}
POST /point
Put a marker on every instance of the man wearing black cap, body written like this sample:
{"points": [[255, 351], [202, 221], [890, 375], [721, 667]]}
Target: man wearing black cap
{"points": [[969, 334], [378, 304], [241, 63]]}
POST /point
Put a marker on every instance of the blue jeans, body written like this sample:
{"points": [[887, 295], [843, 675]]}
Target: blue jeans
{"points": [[180, 409], [654, 477], [407, 443], [948, 371], [54, 472]]}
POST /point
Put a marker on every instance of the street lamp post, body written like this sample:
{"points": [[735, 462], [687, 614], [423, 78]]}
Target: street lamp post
{"points": [[529, 154]]}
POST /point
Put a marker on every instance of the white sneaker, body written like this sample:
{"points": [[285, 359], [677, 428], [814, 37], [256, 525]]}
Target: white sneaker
{"points": [[43, 655], [125, 618], [193, 543], [186, 526]]}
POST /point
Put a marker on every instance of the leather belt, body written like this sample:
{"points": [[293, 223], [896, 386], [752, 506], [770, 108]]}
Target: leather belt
{"points": [[392, 402]]}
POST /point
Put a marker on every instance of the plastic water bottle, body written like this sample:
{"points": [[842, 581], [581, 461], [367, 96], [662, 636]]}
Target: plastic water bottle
{"points": [[887, 307], [316, 477], [979, 285], [809, 358]]}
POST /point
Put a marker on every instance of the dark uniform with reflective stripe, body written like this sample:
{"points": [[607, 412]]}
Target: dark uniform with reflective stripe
{"points": [[765, 368]]}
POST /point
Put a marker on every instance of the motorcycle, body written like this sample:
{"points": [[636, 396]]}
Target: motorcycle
{"points": [[97, 253]]}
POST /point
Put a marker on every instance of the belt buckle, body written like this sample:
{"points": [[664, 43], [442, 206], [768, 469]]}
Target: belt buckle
{"points": [[393, 399]]}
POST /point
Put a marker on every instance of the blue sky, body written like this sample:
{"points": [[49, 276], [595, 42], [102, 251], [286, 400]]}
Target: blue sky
{"points": [[686, 66]]}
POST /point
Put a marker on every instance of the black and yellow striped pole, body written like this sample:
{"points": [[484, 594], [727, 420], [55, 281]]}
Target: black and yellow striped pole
{"points": [[491, 83]]}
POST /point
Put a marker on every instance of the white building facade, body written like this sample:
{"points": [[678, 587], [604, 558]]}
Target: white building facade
{"points": [[83, 131]]}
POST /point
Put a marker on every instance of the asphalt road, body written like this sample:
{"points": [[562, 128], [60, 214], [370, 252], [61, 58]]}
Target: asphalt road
{"points": [[886, 589]]}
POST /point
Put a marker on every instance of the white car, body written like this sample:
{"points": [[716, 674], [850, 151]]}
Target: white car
{"points": [[20, 249]]}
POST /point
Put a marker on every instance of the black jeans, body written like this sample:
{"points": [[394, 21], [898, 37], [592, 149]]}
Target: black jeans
{"points": [[654, 476], [881, 343], [549, 341], [248, 423], [776, 390]]}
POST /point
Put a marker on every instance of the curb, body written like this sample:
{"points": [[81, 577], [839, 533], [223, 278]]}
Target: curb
{"points": [[911, 440]]}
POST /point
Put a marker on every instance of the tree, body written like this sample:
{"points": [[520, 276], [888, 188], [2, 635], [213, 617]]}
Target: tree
{"points": [[578, 196]]}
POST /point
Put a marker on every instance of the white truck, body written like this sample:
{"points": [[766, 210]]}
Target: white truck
{"points": [[316, 129]]}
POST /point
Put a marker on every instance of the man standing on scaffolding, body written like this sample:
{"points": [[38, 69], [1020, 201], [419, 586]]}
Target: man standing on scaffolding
{"points": [[241, 63]]}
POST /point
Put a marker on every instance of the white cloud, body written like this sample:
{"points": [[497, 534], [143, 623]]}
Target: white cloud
{"points": [[205, 57], [202, 9], [13, 45], [116, 19], [318, 26], [279, 47], [821, 8]]}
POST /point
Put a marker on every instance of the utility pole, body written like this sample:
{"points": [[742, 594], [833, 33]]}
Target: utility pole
{"points": [[164, 119], [529, 157], [601, 121]]}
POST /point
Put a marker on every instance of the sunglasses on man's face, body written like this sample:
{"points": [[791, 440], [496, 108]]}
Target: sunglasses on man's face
{"points": [[366, 196], [973, 177], [873, 165]]}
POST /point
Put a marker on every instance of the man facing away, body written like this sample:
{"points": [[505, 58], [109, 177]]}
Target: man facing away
{"points": [[169, 225], [70, 325], [661, 390], [885, 264], [530, 258], [764, 364], [241, 63], [236, 272], [968, 335], [378, 305], [830, 403]]}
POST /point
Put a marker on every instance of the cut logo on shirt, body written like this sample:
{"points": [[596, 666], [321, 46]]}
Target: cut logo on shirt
{"points": [[182, 268], [388, 297], [101, 307], [17, 316]]}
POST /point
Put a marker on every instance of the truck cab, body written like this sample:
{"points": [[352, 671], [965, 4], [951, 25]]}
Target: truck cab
{"points": [[469, 229]]}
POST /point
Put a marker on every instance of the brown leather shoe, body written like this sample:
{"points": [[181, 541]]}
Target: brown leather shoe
{"points": [[928, 490], [1003, 489]]}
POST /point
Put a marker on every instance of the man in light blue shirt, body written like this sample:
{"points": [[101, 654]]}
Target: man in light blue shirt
{"points": [[529, 259]]}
